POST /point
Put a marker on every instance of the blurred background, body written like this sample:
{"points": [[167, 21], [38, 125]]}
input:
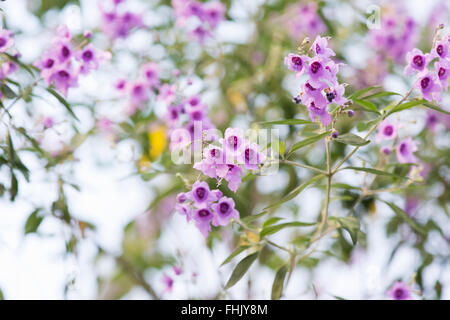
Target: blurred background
{"points": [[127, 211]]}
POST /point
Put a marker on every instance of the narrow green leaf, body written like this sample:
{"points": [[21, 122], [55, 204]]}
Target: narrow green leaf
{"points": [[286, 121], [234, 254], [271, 221], [63, 102], [351, 224], [344, 186], [374, 171], [306, 142], [406, 105], [351, 139], [240, 270], [273, 229], [432, 106], [33, 222], [254, 217], [402, 214], [381, 94], [359, 93], [14, 188], [278, 282], [367, 105], [295, 192]]}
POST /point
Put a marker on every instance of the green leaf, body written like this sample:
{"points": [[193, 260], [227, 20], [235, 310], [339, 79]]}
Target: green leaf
{"points": [[33, 222], [240, 270], [363, 126], [344, 186], [63, 102], [359, 93], [273, 229], [254, 217], [367, 105], [374, 171], [7, 92], [234, 254], [278, 282], [294, 192], [2, 296], [432, 106], [402, 215], [286, 121], [351, 139], [306, 142], [410, 104], [351, 224], [14, 188], [271, 221], [381, 94]]}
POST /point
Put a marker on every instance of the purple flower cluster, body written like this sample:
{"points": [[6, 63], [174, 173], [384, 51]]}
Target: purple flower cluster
{"points": [[229, 157], [321, 87], [431, 84], [405, 148], [190, 114], [396, 36], [205, 16], [117, 24], [303, 20], [7, 67], [64, 62], [206, 207], [143, 87]]}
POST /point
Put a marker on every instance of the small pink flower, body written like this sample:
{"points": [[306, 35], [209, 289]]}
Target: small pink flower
{"points": [[405, 151], [400, 291], [6, 40], [386, 131]]}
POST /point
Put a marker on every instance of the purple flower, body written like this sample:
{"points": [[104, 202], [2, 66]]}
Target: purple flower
{"points": [[138, 93], [417, 61], [150, 72], [443, 72], [224, 211], [440, 50], [252, 157], [336, 95], [321, 49], [90, 58], [411, 204], [168, 283], [233, 140], [233, 177], [48, 122], [405, 151], [6, 40], [62, 50], [200, 34], [166, 93], [63, 77], [317, 72], [200, 193], [177, 270], [7, 68], [121, 85], [202, 218], [400, 291], [214, 13], [429, 86], [321, 112], [295, 62], [386, 131]]}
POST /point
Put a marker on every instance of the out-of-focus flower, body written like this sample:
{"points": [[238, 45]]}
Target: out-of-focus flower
{"points": [[405, 151], [386, 131], [400, 291], [6, 40]]}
